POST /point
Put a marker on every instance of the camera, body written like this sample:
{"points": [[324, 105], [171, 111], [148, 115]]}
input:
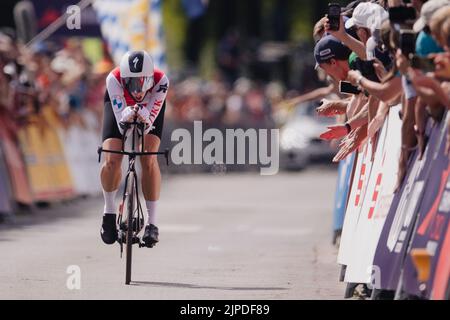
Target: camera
{"points": [[334, 16], [366, 68], [348, 88], [402, 14], [424, 64], [407, 42]]}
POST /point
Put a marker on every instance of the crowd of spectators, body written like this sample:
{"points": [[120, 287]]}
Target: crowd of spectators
{"points": [[244, 103], [392, 53], [44, 77], [369, 49], [58, 76]]}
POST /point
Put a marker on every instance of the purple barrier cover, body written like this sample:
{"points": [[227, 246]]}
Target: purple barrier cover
{"points": [[432, 223], [5, 188], [400, 221]]}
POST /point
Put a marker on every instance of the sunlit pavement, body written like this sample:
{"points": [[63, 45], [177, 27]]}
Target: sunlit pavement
{"points": [[227, 236]]}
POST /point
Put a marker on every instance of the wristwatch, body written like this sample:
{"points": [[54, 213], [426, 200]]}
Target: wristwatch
{"points": [[358, 81], [408, 79], [417, 131], [348, 127]]}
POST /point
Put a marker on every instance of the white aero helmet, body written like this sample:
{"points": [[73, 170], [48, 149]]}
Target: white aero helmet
{"points": [[136, 72]]}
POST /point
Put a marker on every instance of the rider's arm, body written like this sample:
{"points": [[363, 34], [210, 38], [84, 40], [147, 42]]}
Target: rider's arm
{"points": [[118, 102], [158, 95]]}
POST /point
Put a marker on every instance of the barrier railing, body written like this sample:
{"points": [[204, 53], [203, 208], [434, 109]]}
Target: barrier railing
{"points": [[397, 241]]}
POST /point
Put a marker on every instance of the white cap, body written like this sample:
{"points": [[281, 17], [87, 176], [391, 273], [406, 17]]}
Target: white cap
{"points": [[427, 11], [367, 15]]}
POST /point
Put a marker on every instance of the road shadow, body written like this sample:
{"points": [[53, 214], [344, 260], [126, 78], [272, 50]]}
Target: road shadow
{"points": [[28, 216], [195, 286]]}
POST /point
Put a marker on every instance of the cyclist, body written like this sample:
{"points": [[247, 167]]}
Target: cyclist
{"points": [[134, 89]]}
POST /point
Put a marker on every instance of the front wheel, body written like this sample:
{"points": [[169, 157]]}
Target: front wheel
{"points": [[129, 237]]}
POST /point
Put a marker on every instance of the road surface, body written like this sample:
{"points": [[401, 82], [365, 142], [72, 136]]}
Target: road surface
{"points": [[223, 236]]}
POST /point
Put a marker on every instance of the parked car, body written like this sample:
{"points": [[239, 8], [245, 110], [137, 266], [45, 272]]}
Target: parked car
{"points": [[300, 144]]}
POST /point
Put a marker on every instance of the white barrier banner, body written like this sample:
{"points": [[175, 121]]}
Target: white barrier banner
{"points": [[377, 201], [81, 144], [355, 201]]}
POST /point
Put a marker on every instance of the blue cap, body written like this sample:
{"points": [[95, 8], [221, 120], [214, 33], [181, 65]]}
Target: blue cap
{"points": [[425, 45], [330, 47]]}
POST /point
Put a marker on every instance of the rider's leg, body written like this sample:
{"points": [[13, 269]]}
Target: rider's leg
{"points": [[151, 176], [110, 178], [111, 173], [151, 179]]}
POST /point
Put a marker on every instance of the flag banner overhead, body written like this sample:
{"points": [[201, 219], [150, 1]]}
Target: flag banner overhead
{"points": [[132, 25]]}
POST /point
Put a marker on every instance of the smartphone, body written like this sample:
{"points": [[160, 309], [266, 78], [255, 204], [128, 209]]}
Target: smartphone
{"points": [[424, 64], [367, 69], [348, 88], [407, 42], [402, 14], [334, 16]]}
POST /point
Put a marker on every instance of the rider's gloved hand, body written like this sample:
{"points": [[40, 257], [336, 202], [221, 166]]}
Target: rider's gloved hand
{"points": [[141, 113], [128, 115], [143, 116]]}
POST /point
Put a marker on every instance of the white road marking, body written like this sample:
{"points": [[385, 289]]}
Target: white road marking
{"points": [[292, 232], [214, 248], [180, 228]]}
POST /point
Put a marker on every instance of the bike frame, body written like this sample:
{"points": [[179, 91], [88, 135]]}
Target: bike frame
{"points": [[131, 191]]}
